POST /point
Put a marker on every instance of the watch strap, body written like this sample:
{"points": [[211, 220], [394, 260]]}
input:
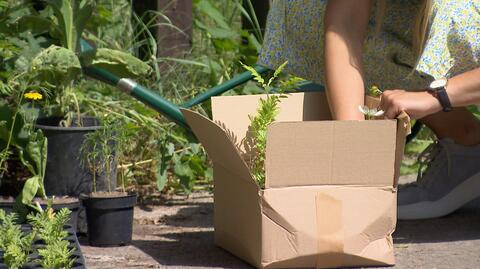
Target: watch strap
{"points": [[442, 97]]}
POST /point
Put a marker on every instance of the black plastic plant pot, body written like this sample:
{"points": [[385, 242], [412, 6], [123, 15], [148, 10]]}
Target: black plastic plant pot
{"points": [[65, 174], [110, 220]]}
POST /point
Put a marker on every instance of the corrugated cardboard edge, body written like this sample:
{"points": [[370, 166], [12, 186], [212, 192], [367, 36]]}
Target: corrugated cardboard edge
{"points": [[237, 210], [217, 144], [403, 130]]}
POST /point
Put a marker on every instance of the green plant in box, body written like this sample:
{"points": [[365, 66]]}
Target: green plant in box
{"points": [[266, 113]]}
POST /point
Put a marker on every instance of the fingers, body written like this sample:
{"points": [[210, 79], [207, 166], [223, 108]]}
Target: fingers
{"points": [[390, 103]]}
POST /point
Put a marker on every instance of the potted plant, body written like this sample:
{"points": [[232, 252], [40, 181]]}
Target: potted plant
{"points": [[59, 68], [109, 213]]}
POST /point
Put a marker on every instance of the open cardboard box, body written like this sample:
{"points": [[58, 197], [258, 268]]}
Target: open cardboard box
{"points": [[330, 194]]}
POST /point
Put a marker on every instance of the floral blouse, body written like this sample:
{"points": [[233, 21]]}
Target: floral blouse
{"points": [[295, 33]]}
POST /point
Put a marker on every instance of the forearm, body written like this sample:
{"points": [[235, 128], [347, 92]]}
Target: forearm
{"points": [[344, 78], [345, 28], [464, 89]]}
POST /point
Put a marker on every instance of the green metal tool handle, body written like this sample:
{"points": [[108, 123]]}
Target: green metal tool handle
{"points": [[163, 106]]}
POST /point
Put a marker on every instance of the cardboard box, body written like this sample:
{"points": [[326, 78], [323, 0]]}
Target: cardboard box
{"points": [[330, 194]]}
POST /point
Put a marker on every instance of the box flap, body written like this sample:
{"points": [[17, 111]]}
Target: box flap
{"points": [[331, 153], [328, 226], [237, 215], [217, 144], [231, 112]]}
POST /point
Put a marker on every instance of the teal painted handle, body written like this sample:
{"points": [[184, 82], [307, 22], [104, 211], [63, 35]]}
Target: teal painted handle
{"points": [[154, 100], [226, 86]]}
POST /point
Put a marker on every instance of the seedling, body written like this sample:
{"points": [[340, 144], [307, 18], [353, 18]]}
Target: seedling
{"points": [[101, 149], [266, 113], [57, 255], [13, 241], [49, 227]]}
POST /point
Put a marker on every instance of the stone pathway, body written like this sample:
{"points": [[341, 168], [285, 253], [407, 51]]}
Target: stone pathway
{"points": [[179, 234]]}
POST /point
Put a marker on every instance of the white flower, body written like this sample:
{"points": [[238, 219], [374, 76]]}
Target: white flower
{"points": [[369, 113]]}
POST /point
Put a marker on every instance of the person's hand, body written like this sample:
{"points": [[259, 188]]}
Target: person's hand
{"points": [[416, 104]]}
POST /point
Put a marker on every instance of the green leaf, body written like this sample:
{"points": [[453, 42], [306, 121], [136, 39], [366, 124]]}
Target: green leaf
{"points": [[117, 62], [277, 72], [72, 16], [222, 33], [34, 157], [19, 138], [206, 7], [34, 24], [56, 66], [256, 75], [162, 178], [30, 189]]}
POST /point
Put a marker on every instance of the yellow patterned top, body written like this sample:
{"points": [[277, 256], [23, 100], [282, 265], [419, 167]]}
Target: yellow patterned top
{"points": [[295, 33]]}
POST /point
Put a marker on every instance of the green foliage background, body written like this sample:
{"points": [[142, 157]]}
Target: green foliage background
{"points": [[159, 155]]}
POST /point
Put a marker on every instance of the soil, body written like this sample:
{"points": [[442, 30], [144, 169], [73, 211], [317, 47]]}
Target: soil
{"points": [[7, 199], [106, 194], [58, 200], [178, 233]]}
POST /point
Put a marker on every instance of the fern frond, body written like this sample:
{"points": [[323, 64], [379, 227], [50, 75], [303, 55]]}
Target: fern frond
{"points": [[276, 73], [256, 76]]}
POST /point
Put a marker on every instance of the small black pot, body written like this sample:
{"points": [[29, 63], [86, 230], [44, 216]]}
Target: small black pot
{"points": [[110, 220]]}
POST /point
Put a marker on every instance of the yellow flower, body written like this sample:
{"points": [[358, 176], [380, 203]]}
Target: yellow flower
{"points": [[50, 213], [33, 96]]}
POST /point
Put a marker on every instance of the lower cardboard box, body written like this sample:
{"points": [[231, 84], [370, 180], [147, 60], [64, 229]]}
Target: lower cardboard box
{"points": [[330, 193]]}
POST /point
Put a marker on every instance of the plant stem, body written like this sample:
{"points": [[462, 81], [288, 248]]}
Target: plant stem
{"points": [[94, 178], [125, 166], [108, 173], [123, 181], [4, 154]]}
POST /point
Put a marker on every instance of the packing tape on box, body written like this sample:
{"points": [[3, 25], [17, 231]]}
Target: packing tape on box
{"points": [[371, 245], [330, 231]]}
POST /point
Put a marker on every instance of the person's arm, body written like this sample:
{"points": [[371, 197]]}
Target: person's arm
{"points": [[346, 23], [463, 90]]}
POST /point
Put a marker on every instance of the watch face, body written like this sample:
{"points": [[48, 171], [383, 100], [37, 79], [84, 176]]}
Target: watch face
{"points": [[439, 83]]}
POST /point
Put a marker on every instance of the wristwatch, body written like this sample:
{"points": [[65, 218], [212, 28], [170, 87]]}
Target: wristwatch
{"points": [[439, 89]]}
